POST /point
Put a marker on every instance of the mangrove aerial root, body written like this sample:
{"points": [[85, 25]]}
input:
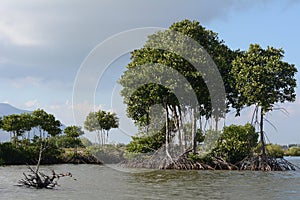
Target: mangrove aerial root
{"points": [[271, 164]]}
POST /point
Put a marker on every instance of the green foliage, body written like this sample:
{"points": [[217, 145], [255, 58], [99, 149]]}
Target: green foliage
{"points": [[236, 142], [100, 122], [24, 151], [92, 121], [10, 154], [111, 121], [199, 136], [203, 158], [73, 131], [1, 162], [46, 123], [293, 151], [64, 141], [28, 154], [147, 143], [1, 122], [263, 78], [86, 142], [18, 124], [51, 153], [14, 124], [70, 139], [140, 99], [146, 96], [272, 150]]}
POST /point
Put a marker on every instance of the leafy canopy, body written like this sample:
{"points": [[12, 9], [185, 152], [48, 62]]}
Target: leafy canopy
{"points": [[73, 131], [101, 120], [152, 53], [262, 78]]}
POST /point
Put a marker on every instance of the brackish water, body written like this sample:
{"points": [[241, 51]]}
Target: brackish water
{"points": [[107, 182]]}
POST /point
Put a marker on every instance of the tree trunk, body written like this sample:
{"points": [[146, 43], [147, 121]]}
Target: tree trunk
{"points": [[183, 129], [106, 137], [194, 142], [99, 138], [217, 122], [177, 126], [40, 158], [15, 138], [167, 133], [39, 180], [103, 137], [264, 157]]}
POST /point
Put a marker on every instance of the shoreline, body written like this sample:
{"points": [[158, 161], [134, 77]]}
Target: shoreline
{"points": [[89, 159]]}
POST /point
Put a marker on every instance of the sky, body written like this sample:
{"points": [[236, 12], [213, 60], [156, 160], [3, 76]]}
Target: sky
{"points": [[46, 45]]}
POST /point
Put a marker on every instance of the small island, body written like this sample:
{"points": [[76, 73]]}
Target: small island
{"points": [[177, 116]]}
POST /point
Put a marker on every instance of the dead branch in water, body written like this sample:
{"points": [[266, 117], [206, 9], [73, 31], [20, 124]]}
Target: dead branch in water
{"points": [[39, 180]]}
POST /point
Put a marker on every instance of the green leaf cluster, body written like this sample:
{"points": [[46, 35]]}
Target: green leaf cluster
{"points": [[263, 78], [12, 154], [70, 139], [152, 54], [101, 120], [272, 150], [293, 151], [19, 124], [236, 142], [147, 143]]}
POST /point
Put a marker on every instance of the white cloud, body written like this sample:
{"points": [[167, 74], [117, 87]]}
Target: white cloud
{"points": [[16, 26], [16, 34], [25, 82], [32, 104]]}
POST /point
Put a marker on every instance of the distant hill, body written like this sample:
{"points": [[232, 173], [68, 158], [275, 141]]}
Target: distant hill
{"points": [[6, 109]]}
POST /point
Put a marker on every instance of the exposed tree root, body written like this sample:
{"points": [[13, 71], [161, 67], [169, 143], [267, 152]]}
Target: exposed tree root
{"points": [[186, 164], [39, 180], [221, 164], [217, 163], [80, 159], [271, 164]]}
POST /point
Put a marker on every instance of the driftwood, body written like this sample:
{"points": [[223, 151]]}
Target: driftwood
{"points": [[39, 180]]}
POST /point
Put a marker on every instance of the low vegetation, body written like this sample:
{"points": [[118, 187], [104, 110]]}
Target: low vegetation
{"points": [[293, 151], [29, 131], [237, 147]]}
